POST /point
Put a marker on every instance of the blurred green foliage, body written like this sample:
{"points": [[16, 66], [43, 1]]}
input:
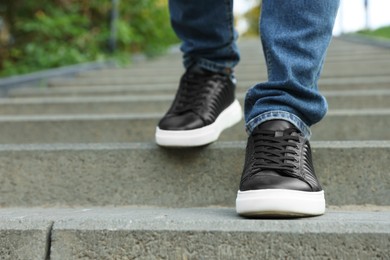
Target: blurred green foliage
{"points": [[46, 34], [252, 17], [383, 32]]}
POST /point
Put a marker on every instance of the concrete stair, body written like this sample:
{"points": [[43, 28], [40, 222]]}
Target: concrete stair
{"points": [[192, 233], [92, 128], [149, 103], [82, 178], [144, 174]]}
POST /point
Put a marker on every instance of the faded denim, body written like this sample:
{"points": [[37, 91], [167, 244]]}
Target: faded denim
{"points": [[295, 36]]}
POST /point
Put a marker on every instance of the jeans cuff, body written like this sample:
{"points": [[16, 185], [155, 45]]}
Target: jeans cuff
{"points": [[211, 66], [271, 115]]}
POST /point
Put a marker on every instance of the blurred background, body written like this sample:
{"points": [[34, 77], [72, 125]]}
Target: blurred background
{"points": [[43, 34], [40, 34], [353, 16]]}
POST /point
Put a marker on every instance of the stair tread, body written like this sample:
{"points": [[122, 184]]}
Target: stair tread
{"points": [[367, 124], [190, 233], [136, 200], [132, 173], [373, 219]]}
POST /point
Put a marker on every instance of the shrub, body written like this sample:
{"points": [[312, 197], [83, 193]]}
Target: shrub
{"points": [[49, 34]]}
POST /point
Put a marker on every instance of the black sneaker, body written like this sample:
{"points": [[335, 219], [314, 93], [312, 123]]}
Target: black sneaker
{"points": [[278, 177], [203, 107]]}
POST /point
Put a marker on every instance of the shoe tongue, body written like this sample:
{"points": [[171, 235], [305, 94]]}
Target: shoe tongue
{"points": [[276, 125]]}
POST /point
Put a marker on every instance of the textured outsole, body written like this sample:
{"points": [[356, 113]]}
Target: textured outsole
{"points": [[280, 203], [202, 136]]}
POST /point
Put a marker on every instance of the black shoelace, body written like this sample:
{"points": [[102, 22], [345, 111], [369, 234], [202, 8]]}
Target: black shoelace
{"points": [[276, 153], [195, 90]]}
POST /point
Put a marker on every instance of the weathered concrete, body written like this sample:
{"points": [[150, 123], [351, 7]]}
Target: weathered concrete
{"points": [[366, 61], [23, 238], [353, 125], [357, 99], [219, 234], [251, 54], [355, 76], [193, 233], [338, 125], [327, 84], [343, 60], [93, 91], [249, 58], [41, 77], [252, 74], [89, 105], [143, 174], [338, 46]]}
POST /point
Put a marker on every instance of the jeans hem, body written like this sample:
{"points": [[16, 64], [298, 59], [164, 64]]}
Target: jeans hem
{"points": [[276, 114], [211, 66]]}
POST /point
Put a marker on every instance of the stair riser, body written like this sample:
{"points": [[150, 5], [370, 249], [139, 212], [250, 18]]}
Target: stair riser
{"points": [[98, 175], [216, 245], [127, 233], [152, 103], [24, 239], [164, 88], [97, 129], [248, 62], [253, 73]]}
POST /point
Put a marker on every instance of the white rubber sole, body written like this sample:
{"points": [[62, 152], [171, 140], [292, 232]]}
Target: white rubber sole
{"points": [[279, 202], [202, 136]]}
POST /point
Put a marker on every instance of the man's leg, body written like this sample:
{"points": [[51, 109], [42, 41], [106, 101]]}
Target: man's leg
{"points": [[207, 33], [204, 104], [278, 177]]}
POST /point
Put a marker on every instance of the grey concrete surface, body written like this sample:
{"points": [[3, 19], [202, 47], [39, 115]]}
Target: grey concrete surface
{"points": [[23, 238], [143, 174], [252, 74], [92, 91], [36, 78], [123, 88], [123, 104], [91, 105], [344, 62], [94, 128], [250, 57], [193, 233], [219, 234], [357, 99], [166, 88]]}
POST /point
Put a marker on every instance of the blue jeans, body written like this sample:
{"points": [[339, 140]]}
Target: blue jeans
{"points": [[295, 36]]}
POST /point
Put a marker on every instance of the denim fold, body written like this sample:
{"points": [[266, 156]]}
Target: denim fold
{"points": [[295, 36]]}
